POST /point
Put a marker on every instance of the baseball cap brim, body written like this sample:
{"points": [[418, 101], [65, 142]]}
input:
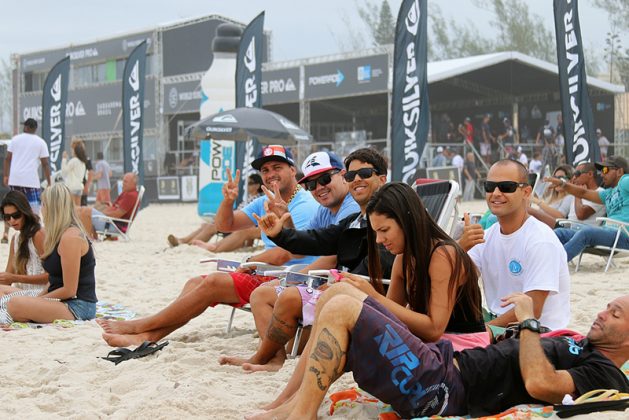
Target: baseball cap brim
{"points": [[317, 172], [257, 163]]}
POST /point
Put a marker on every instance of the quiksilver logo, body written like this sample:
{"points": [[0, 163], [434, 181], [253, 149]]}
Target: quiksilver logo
{"points": [[412, 18], [135, 116], [251, 88], [56, 132]]}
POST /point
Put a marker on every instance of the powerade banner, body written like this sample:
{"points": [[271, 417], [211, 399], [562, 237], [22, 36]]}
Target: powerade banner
{"points": [[248, 93], [133, 111], [249, 65], [54, 100], [214, 158], [409, 117], [578, 122]]}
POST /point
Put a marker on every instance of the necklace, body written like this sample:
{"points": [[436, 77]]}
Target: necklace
{"points": [[294, 194]]}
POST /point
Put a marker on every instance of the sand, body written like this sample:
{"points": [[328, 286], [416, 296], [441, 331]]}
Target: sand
{"points": [[56, 372]]}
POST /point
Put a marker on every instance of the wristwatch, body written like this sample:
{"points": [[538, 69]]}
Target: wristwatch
{"points": [[563, 182], [530, 324]]}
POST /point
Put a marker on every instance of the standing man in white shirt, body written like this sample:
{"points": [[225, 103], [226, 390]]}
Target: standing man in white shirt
{"points": [[519, 253], [24, 154]]}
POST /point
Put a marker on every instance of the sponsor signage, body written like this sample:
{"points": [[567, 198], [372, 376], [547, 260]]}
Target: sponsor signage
{"points": [[97, 51], [347, 77], [216, 156], [280, 86], [182, 97], [93, 109], [168, 188]]}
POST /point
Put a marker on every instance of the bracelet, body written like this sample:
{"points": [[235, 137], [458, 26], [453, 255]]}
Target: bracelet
{"points": [[563, 182]]}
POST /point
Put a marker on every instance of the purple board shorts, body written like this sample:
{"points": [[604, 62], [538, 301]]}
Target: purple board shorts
{"points": [[418, 379], [309, 298]]}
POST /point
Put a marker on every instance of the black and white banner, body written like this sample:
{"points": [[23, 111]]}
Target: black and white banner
{"points": [[578, 122], [249, 93], [410, 110], [249, 65], [54, 100], [133, 111]]}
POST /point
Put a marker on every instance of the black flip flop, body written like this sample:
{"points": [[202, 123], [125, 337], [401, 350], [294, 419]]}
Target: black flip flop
{"points": [[144, 349]]}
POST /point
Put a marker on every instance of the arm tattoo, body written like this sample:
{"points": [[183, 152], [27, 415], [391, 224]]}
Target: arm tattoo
{"points": [[329, 356]]}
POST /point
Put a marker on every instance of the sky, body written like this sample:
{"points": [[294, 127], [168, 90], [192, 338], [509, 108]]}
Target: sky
{"points": [[300, 28]]}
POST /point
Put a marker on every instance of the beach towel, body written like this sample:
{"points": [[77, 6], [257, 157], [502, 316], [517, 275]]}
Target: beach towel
{"points": [[103, 310], [354, 402]]}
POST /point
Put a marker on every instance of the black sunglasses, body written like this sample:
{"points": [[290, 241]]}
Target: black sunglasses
{"points": [[15, 216], [323, 180], [503, 186], [363, 173]]}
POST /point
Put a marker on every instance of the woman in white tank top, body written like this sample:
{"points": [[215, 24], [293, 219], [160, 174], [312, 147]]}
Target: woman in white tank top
{"points": [[24, 269]]}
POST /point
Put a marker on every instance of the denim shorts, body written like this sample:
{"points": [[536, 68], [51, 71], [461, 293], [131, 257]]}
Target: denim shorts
{"points": [[81, 309]]}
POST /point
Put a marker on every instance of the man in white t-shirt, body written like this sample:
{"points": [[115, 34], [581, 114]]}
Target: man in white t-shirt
{"points": [[519, 253], [24, 154]]}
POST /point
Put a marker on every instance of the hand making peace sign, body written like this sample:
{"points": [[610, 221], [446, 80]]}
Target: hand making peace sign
{"points": [[230, 188], [275, 203]]}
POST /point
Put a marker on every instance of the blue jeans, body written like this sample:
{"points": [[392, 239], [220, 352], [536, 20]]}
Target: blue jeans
{"points": [[575, 241], [81, 309]]}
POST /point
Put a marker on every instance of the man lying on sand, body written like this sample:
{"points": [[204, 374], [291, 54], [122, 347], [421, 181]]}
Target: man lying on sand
{"points": [[357, 334]]}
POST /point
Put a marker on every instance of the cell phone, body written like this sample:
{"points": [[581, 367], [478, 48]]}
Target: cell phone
{"points": [[336, 274]]}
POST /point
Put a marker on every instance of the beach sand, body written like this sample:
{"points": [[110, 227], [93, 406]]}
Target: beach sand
{"points": [[56, 372]]}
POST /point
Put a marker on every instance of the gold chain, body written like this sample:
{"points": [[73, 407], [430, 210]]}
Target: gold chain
{"points": [[294, 194]]}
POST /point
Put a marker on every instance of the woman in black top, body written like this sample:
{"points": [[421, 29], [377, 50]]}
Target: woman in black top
{"points": [[434, 284], [69, 260]]}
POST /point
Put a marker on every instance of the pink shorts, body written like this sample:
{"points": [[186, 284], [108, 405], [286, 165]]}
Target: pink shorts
{"points": [[467, 341], [309, 299]]}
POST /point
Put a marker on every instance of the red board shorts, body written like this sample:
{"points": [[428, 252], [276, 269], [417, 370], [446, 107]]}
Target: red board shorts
{"points": [[245, 284]]}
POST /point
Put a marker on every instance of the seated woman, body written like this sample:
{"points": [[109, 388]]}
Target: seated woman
{"points": [[69, 260], [24, 269], [234, 240], [434, 284], [555, 201]]}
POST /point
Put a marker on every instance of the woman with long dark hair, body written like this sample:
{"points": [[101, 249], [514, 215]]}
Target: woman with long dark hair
{"points": [[68, 258], [24, 270]]}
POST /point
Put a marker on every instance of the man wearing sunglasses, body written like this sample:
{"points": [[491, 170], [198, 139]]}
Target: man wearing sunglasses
{"points": [[615, 196], [519, 254], [581, 211], [347, 241]]}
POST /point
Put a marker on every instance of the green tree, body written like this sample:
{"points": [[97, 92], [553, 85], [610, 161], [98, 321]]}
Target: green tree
{"points": [[385, 29]]}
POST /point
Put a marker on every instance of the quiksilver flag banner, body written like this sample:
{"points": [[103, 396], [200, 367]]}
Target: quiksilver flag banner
{"points": [[54, 99], [409, 110], [249, 65], [133, 111], [248, 93], [578, 122]]}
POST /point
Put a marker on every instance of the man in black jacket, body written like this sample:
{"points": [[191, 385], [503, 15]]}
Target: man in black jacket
{"points": [[366, 173]]}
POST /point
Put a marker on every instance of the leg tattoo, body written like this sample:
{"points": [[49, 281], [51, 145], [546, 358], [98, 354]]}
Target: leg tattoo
{"points": [[280, 331], [328, 354]]}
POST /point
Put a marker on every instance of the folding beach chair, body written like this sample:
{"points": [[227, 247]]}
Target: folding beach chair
{"points": [[439, 198], [120, 227], [603, 251]]}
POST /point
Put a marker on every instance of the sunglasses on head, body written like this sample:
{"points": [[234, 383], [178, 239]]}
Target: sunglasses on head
{"points": [[503, 186], [363, 173], [15, 216], [323, 180]]}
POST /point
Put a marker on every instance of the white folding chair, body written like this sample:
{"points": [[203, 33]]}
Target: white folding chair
{"points": [[606, 251], [113, 229]]}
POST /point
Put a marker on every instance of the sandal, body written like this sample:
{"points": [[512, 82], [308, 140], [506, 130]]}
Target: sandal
{"points": [[121, 354], [595, 400]]}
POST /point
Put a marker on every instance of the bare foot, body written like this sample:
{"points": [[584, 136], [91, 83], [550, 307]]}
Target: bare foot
{"points": [[201, 244], [232, 360], [172, 241], [116, 327], [281, 412], [279, 401], [124, 340], [272, 365]]}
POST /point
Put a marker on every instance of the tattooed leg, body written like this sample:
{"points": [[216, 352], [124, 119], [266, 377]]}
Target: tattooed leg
{"points": [[327, 356]]}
